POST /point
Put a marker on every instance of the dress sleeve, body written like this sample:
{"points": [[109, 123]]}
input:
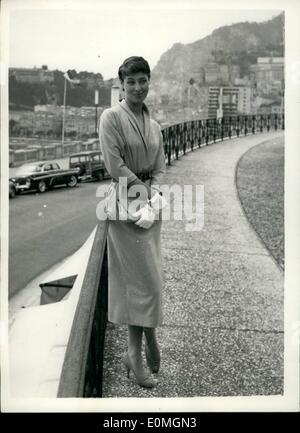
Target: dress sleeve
{"points": [[160, 163], [111, 146]]}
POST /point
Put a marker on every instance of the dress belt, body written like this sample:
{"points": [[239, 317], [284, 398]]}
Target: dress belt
{"points": [[143, 176]]}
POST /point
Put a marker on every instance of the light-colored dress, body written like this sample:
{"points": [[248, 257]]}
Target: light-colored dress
{"points": [[134, 254]]}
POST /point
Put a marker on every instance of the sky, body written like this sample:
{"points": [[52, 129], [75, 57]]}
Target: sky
{"points": [[97, 37]]}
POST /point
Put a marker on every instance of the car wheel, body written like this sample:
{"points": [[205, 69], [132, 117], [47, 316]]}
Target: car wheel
{"points": [[72, 181], [41, 186], [99, 176], [81, 169]]}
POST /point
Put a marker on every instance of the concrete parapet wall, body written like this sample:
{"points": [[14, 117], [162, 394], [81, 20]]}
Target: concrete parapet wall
{"points": [[48, 152]]}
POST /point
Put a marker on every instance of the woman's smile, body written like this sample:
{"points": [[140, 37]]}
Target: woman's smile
{"points": [[136, 87]]}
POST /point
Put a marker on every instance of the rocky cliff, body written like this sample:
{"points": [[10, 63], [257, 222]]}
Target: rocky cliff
{"points": [[235, 47]]}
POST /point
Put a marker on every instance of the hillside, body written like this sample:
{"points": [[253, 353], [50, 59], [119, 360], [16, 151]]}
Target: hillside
{"points": [[238, 44], [29, 94]]}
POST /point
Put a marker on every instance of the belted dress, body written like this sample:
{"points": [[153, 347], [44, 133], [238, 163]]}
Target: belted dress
{"points": [[135, 275]]}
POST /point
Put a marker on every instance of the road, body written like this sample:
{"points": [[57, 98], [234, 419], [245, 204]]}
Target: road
{"points": [[46, 228]]}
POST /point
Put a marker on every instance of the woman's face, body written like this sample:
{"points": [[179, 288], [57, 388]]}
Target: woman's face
{"points": [[136, 87]]}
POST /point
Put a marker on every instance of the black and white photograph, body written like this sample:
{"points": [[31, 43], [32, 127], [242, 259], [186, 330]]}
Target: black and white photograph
{"points": [[150, 239]]}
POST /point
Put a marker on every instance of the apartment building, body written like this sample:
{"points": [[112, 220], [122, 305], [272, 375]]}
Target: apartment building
{"points": [[223, 101]]}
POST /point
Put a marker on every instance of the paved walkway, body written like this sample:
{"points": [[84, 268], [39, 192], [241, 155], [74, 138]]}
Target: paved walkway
{"points": [[223, 297]]}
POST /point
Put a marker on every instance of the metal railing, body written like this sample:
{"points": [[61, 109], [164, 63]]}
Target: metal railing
{"points": [[82, 369], [182, 137]]}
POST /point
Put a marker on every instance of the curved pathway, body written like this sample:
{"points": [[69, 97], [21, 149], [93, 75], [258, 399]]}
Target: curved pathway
{"points": [[223, 297]]}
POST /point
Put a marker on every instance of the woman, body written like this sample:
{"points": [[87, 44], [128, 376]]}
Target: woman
{"points": [[132, 148]]}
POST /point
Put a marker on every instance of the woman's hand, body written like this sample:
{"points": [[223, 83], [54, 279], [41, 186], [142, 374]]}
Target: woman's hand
{"points": [[146, 216], [158, 202]]}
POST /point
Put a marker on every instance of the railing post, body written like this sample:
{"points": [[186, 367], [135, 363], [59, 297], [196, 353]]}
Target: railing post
{"points": [[192, 135], [206, 131], [229, 126], [177, 140], [181, 137], [198, 129], [214, 129], [268, 122], [226, 126], [275, 122], [253, 124], [188, 135], [170, 143], [173, 139], [184, 138], [167, 146], [222, 128], [246, 124], [282, 123], [238, 126], [261, 123]]}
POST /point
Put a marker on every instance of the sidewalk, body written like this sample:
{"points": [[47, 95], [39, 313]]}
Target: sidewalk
{"points": [[223, 296]]}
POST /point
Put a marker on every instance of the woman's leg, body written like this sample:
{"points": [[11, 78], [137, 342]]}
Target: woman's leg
{"points": [[150, 336], [152, 350], [133, 359], [135, 334]]}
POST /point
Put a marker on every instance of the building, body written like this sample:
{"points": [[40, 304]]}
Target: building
{"points": [[83, 122], [244, 100], [211, 71], [274, 107], [224, 73], [213, 101], [234, 73], [79, 125], [32, 75], [245, 81], [267, 75], [223, 101]]}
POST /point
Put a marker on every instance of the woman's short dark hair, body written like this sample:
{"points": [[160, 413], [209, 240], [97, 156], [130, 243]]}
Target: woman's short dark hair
{"points": [[133, 65]]}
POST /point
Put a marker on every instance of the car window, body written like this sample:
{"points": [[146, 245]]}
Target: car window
{"points": [[28, 169], [47, 167], [83, 159], [55, 166], [74, 159]]}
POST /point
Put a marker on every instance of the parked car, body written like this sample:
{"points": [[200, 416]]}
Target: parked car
{"points": [[44, 175], [12, 189], [90, 164]]}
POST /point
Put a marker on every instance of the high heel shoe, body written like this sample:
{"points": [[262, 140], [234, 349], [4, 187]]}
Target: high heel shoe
{"points": [[153, 363], [145, 380]]}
